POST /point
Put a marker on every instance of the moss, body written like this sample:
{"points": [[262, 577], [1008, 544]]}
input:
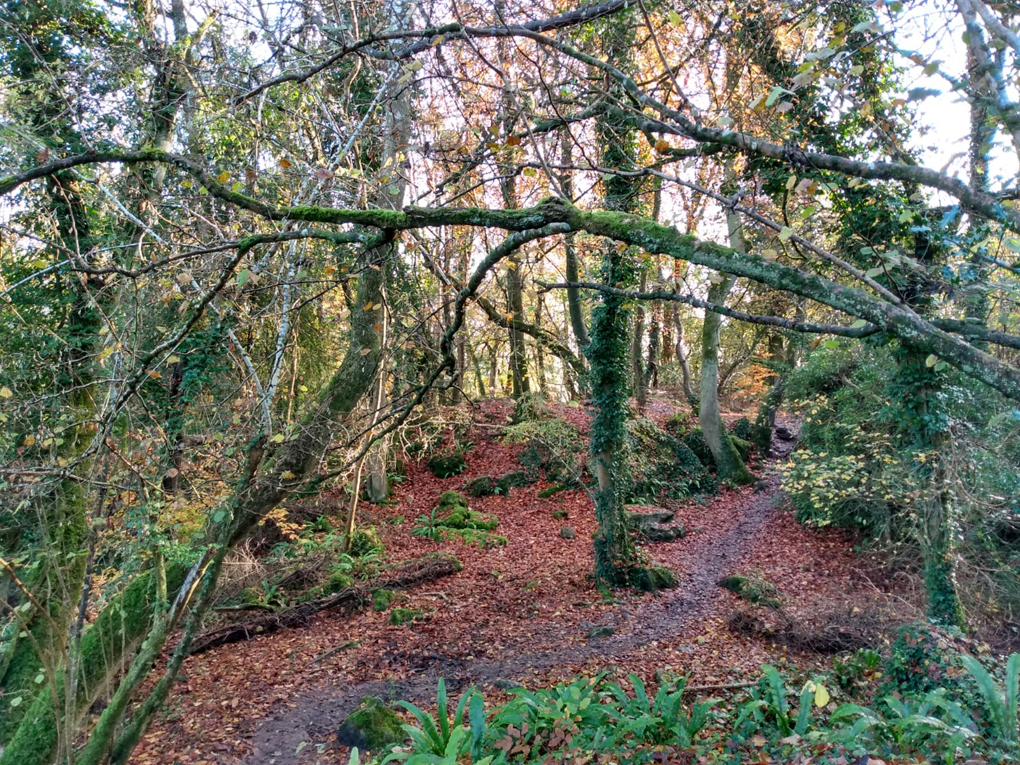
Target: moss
{"points": [[372, 725], [695, 441], [652, 578], [382, 599], [551, 490], [452, 499], [752, 589], [400, 616], [448, 464], [119, 626], [560, 514], [338, 580], [743, 447], [366, 540], [477, 537]]}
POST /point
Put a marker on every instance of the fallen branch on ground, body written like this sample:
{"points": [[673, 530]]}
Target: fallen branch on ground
{"points": [[400, 577]]}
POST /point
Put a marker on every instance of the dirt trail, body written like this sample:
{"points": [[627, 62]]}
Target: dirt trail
{"points": [[701, 558]]}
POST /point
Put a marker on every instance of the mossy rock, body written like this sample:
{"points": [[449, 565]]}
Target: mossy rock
{"points": [[560, 514], [637, 519], [482, 486], [755, 590], [653, 578], [465, 518], [400, 616], [450, 500], [516, 479], [741, 429], [372, 726], [365, 540], [448, 464], [663, 533], [567, 533], [556, 488], [382, 599]]}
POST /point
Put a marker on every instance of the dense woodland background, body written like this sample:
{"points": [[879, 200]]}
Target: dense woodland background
{"points": [[310, 308]]}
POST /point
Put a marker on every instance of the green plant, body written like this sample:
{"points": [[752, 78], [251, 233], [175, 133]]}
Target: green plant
{"points": [[444, 740], [851, 672], [908, 726], [1000, 701], [661, 719], [769, 705]]}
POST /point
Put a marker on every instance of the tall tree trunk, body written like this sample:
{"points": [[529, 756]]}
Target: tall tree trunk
{"points": [[637, 365], [570, 249], [728, 462]]}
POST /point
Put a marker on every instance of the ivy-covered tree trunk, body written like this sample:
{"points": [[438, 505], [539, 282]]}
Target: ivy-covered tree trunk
{"points": [[609, 344]]}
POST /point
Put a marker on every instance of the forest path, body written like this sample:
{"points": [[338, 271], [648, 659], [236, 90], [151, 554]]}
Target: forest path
{"points": [[523, 612], [315, 715]]}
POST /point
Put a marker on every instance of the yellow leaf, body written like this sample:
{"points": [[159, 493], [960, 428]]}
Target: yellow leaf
{"points": [[154, 374], [223, 177], [365, 351], [6, 392], [172, 359], [821, 696], [29, 440], [284, 163], [277, 439], [286, 475], [662, 146]]}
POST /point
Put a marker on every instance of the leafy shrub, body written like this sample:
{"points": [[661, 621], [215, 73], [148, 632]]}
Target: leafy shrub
{"points": [[741, 429], [551, 445], [922, 659], [581, 720]]}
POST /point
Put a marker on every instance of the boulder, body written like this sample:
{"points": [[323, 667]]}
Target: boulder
{"points": [[652, 578], [482, 486], [638, 519], [567, 533], [372, 725]]}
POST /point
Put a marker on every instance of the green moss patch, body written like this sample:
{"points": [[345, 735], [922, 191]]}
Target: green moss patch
{"points": [[372, 726]]}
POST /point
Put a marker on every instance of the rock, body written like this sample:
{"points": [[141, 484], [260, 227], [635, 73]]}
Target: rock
{"points": [[514, 480], [567, 533], [784, 433], [448, 465], [372, 725], [596, 633], [506, 685], [654, 518], [560, 513], [652, 578], [663, 533], [482, 486]]}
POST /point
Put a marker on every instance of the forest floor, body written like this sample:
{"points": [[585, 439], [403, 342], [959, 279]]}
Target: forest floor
{"points": [[522, 613]]}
